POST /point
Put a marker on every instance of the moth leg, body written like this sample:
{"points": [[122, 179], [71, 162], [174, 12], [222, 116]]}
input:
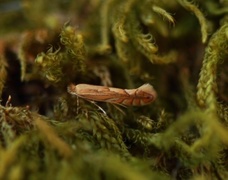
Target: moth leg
{"points": [[8, 101], [102, 110], [118, 108], [77, 100]]}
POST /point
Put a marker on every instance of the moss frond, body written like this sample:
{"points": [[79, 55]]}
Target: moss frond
{"points": [[75, 47], [142, 42], [164, 13], [9, 155], [119, 31], [24, 44], [52, 138], [215, 52], [51, 63], [106, 132], [223, 112], [202, 20], [3, 70], [138, 137], [104, 46], [214, 9]]}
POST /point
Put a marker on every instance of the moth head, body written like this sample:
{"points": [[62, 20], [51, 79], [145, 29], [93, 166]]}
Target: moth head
{"points": [[71, 89]]}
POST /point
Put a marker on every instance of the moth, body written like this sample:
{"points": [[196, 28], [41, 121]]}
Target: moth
{"points": [[140, 96]]}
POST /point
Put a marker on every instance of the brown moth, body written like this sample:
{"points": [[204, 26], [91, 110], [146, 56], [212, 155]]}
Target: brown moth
{"points": [[141, 96]]}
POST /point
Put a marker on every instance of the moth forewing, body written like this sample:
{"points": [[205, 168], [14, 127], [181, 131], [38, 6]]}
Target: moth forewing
{"points": [[143, 95]]}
